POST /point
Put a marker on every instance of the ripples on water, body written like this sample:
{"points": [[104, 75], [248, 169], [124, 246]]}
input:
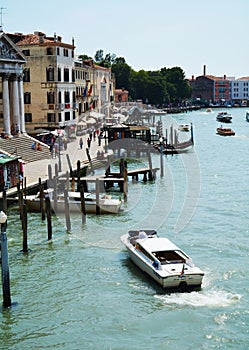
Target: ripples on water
{"points": [[81, 291]]}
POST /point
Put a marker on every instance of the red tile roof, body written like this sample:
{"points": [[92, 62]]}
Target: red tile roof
{"points": [[243, 78]]}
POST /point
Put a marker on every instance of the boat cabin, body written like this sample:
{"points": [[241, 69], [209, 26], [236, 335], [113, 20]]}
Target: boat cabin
{"points": [[170, 256]]}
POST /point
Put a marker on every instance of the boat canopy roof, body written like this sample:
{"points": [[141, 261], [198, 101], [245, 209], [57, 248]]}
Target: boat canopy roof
{"points": [[157, 245]]}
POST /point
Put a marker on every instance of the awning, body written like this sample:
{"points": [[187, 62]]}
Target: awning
{"points": [[96, 114]]}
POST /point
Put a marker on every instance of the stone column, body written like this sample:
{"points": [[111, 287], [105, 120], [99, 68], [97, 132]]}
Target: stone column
{"points": [[21, 105], [6, 104], [15, 104]]}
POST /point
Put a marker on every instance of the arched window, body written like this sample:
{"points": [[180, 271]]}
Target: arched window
{"points": [[50, 97], [50, 73]]}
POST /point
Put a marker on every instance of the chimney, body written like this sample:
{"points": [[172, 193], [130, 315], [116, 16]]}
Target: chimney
{"points": [[72, 41], [193, 77], [225, 77], [204, 70]]}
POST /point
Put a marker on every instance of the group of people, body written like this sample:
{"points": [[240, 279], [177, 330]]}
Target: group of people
{"points": [[92, 137], [36, 146]]}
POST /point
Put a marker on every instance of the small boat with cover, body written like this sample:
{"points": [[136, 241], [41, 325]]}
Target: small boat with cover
{"points": [[224, 117], [162, 260]]}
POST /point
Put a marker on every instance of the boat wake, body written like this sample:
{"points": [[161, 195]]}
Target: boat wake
{"points": [[211, 298]]}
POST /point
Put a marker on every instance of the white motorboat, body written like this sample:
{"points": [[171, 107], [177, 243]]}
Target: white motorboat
{"points": [[162, 260], [224, 117], [106, 203]]}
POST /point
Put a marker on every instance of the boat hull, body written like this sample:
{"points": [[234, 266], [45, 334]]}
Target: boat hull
{"points": [[175, 281], [33, 205], [225, 132], [178, 276]]}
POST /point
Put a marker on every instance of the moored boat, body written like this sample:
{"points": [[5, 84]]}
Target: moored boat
{"points": [[175, 146], [225, 131], [107, 204], [162, 260]]}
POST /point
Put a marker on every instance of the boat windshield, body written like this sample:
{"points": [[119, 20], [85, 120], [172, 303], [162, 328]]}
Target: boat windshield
{"points": [[170, 256]]}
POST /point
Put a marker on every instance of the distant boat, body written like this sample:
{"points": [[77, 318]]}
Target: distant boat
{"points": [[209, 110], [225, 131], [247, 116], [224, 117]]}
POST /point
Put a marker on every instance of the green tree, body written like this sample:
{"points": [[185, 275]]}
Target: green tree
{"points": [[122, 74], [99, 56]]}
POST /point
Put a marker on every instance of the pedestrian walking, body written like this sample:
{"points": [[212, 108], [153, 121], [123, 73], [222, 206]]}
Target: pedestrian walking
{"points": [[81, 143], [88, 142]]}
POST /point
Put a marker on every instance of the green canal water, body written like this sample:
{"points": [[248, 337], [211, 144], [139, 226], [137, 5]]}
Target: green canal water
{"points": [[81, 291]]}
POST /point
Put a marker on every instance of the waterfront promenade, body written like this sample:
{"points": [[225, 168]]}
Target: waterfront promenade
{"points": [[39, 169]]}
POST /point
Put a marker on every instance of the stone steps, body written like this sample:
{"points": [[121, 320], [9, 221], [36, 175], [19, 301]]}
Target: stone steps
{"points": [[21, 146]]}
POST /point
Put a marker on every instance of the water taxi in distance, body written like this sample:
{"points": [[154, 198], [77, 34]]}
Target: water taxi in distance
{"points": [[224, 117], [225, 131]]}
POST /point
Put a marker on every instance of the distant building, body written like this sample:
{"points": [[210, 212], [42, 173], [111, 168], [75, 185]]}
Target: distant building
{"points": [[121, 95], [239, 89], [220, 90]]}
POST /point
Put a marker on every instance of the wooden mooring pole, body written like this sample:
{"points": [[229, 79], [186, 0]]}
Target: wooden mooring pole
{"points": [[5, 262], [67, 210], [97, 197], [49, 218], [42, 209], [24, 229], [83, 204]]}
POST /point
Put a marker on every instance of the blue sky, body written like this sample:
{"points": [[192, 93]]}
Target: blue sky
{"points": [[149, 34]]}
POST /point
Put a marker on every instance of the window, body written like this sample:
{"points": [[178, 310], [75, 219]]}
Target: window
{"points": [[66, 74], [59, 73], [67, 116], [27, 98], [65, 52], [50, 73], [50, 97], [49, 51], [59, 117], [58, 51], [26, 52], [59, 97], [66, 97], [51, 117], [73, 75], [28, 117], [26, 75]]}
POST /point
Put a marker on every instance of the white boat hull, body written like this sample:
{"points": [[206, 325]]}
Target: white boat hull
{"points": [[174, 281], [170, 275], [106, 206]]}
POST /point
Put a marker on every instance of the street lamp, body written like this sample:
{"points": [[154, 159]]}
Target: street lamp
{"points": [[4, 261]]}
